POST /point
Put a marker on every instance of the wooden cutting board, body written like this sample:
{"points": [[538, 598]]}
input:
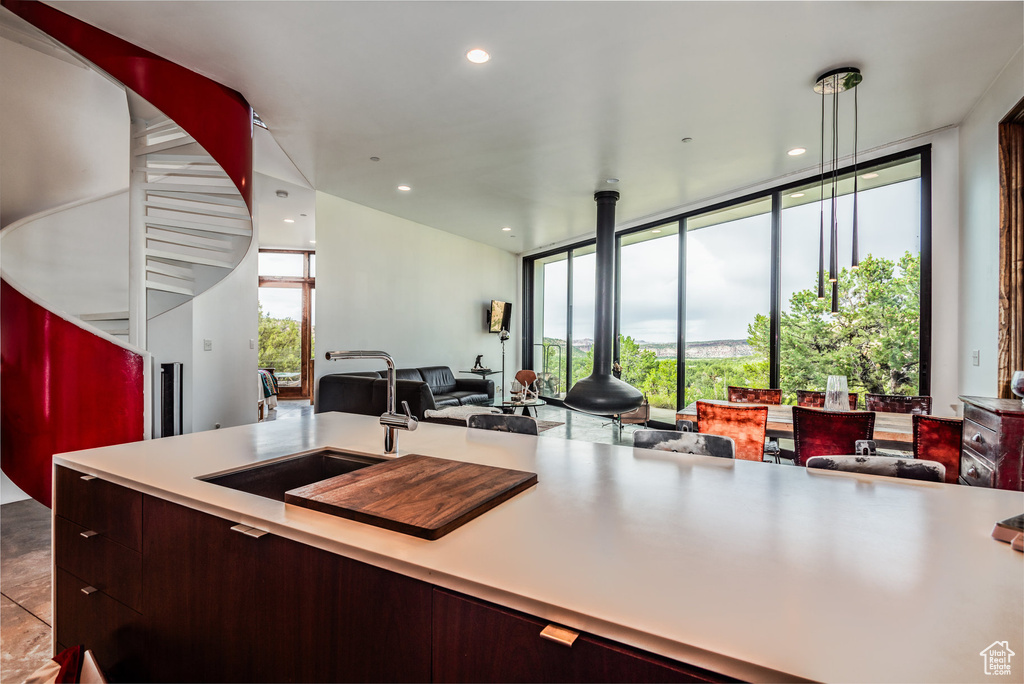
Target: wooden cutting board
{"points": [[422, 496]]}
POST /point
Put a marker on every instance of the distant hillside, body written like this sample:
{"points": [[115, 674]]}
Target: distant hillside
{"points": [[709, 349]]}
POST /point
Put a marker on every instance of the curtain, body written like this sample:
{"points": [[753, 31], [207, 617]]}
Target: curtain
{"points": [[1011, 248]]}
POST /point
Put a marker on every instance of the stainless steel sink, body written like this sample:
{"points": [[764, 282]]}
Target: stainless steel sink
{"points": [[273, 479]]}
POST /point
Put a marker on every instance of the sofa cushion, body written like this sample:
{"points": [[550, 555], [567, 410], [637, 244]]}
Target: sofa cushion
{"points": [[415, 392], [405, 374], [439, 378], [470, 398]]}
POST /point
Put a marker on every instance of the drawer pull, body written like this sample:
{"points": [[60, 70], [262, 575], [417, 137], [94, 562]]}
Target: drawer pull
{"points": [[560, 635], [86, 478], [88, 533], [249, 531], [89, 590], [972, 471], [977, 438]]}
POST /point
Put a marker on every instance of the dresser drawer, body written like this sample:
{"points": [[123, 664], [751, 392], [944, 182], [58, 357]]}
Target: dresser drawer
{"points": [[982, 417], [110, 567], [981, 440], [112, 510], [975, 470], [112, 630]]}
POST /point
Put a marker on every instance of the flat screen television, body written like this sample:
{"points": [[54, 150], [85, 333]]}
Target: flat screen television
{"points": [[500, 316]]}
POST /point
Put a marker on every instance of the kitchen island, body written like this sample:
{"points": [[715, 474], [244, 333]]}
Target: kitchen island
{"points": [[749, 570]]}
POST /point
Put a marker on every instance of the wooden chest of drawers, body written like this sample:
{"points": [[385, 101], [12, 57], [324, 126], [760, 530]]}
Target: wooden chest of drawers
{"points": [[992, 454]]}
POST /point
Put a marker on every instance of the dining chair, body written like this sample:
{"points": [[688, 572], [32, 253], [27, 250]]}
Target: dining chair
{"points": [[523, 425], [685, 443], [746, 425], [817, 432], [939, 439], [685, 425], [889, 466], [897, 403], [813, 399], [754, 395]]}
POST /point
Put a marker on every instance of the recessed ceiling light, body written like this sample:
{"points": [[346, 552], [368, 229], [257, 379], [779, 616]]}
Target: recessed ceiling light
{"points": [[797, 194], [868, 176], [477, 56], [404, 188], [506, 228], [612, 180], [312, 242], [686, 140], [289, 220], [302, 215], [656, 230], [374, 158], [282, 193], [796, 151]]}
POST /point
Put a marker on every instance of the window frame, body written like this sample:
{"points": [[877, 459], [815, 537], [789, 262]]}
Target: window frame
{"points": [[306, 284], [775, 194]]}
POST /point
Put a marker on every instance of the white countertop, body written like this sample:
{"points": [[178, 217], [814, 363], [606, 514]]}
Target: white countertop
{"points": [[754, 570]]}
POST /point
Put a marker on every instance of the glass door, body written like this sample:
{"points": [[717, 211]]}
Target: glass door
{"points": [[286, 291]]}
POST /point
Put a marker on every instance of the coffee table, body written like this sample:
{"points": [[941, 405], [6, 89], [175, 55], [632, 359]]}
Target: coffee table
{"points": [[511, 406]]}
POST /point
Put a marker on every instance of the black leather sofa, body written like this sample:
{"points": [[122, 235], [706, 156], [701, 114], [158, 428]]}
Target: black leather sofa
{"points": [[426, 388]]}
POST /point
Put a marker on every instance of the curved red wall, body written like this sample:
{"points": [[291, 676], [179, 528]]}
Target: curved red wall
{"points": [[217, 117], [63, 389]]}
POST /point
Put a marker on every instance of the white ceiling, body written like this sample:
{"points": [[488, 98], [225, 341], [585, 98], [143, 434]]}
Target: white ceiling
{"points": [[575, 93]]}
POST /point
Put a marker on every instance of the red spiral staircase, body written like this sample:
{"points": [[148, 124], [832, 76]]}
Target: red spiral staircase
{"points": [[63, 387]]}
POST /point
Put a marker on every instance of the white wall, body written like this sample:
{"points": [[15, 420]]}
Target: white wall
{"points": [[75, 259], [979, 230], [64, 132], [169, 340], [418, 293]]}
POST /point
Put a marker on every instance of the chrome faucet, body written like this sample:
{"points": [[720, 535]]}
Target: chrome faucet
{"points": [[391, 419]]}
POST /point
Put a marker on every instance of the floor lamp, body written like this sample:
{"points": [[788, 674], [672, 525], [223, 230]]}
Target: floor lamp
{"points": [[503, 336]]}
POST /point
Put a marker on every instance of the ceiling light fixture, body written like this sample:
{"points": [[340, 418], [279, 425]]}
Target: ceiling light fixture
{"points": [[282, 193], [612, 180], [506, 228], [797, 194], [869, 176], [374, 158], [832, 83], [404, 188], [796, 152], [686, 140], [312, 242], [656, 230], [477, 56], [289, 220]]}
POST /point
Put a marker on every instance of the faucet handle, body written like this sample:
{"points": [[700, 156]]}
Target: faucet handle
{"points": [[412, 422]]}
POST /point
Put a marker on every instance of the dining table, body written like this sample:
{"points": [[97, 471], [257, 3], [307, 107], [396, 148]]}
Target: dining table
{"points": [[892, 430]]}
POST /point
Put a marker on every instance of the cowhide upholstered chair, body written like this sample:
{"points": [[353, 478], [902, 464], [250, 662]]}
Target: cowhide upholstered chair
{"points": [[523, 425], [685, 443], [889, 466]]}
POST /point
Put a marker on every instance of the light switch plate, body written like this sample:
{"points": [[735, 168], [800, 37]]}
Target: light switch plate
{"points": [[252, 343], [976, 357], [207, 345]]}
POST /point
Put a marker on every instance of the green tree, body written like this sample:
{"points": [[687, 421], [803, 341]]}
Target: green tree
{"points": [[873, 340], [279, 343]]}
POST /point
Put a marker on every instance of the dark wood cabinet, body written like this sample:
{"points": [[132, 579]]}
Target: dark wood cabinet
{"points": [[206, 599], [476, 641], [992, 453]]}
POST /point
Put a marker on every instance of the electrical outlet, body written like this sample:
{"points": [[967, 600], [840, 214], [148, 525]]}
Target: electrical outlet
{"points": [[976, 357], [207, 345]]}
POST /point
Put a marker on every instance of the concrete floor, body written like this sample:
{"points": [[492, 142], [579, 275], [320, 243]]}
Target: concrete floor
{"points": [[25, 600]]}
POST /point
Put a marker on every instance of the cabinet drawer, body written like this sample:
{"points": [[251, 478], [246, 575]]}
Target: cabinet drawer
{"points": [[480, 642], [112, 510], [981, 440], [982, 417], [112, 630], [975, 470], [110, 567]]}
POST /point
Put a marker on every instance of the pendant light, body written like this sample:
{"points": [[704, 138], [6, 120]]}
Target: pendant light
{"points": [[832, 83]]}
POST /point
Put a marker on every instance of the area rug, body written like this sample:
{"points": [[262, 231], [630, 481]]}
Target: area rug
{"points": [[543, 425]]}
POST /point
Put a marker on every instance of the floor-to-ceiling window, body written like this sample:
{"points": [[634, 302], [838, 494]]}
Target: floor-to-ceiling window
{"points": [[748, 300], [286, 291], [648, 315], [728, 298]]}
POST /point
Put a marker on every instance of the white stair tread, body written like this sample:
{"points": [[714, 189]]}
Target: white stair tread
{"points": [[164, 287], [189, 259], [111, 316]]}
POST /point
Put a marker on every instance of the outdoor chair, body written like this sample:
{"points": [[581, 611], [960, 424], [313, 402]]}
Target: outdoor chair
{"points": [[685, 443], [889, 466], [746, 426], [523, 425], [938, 439], [817, 432], [897, 403]]}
